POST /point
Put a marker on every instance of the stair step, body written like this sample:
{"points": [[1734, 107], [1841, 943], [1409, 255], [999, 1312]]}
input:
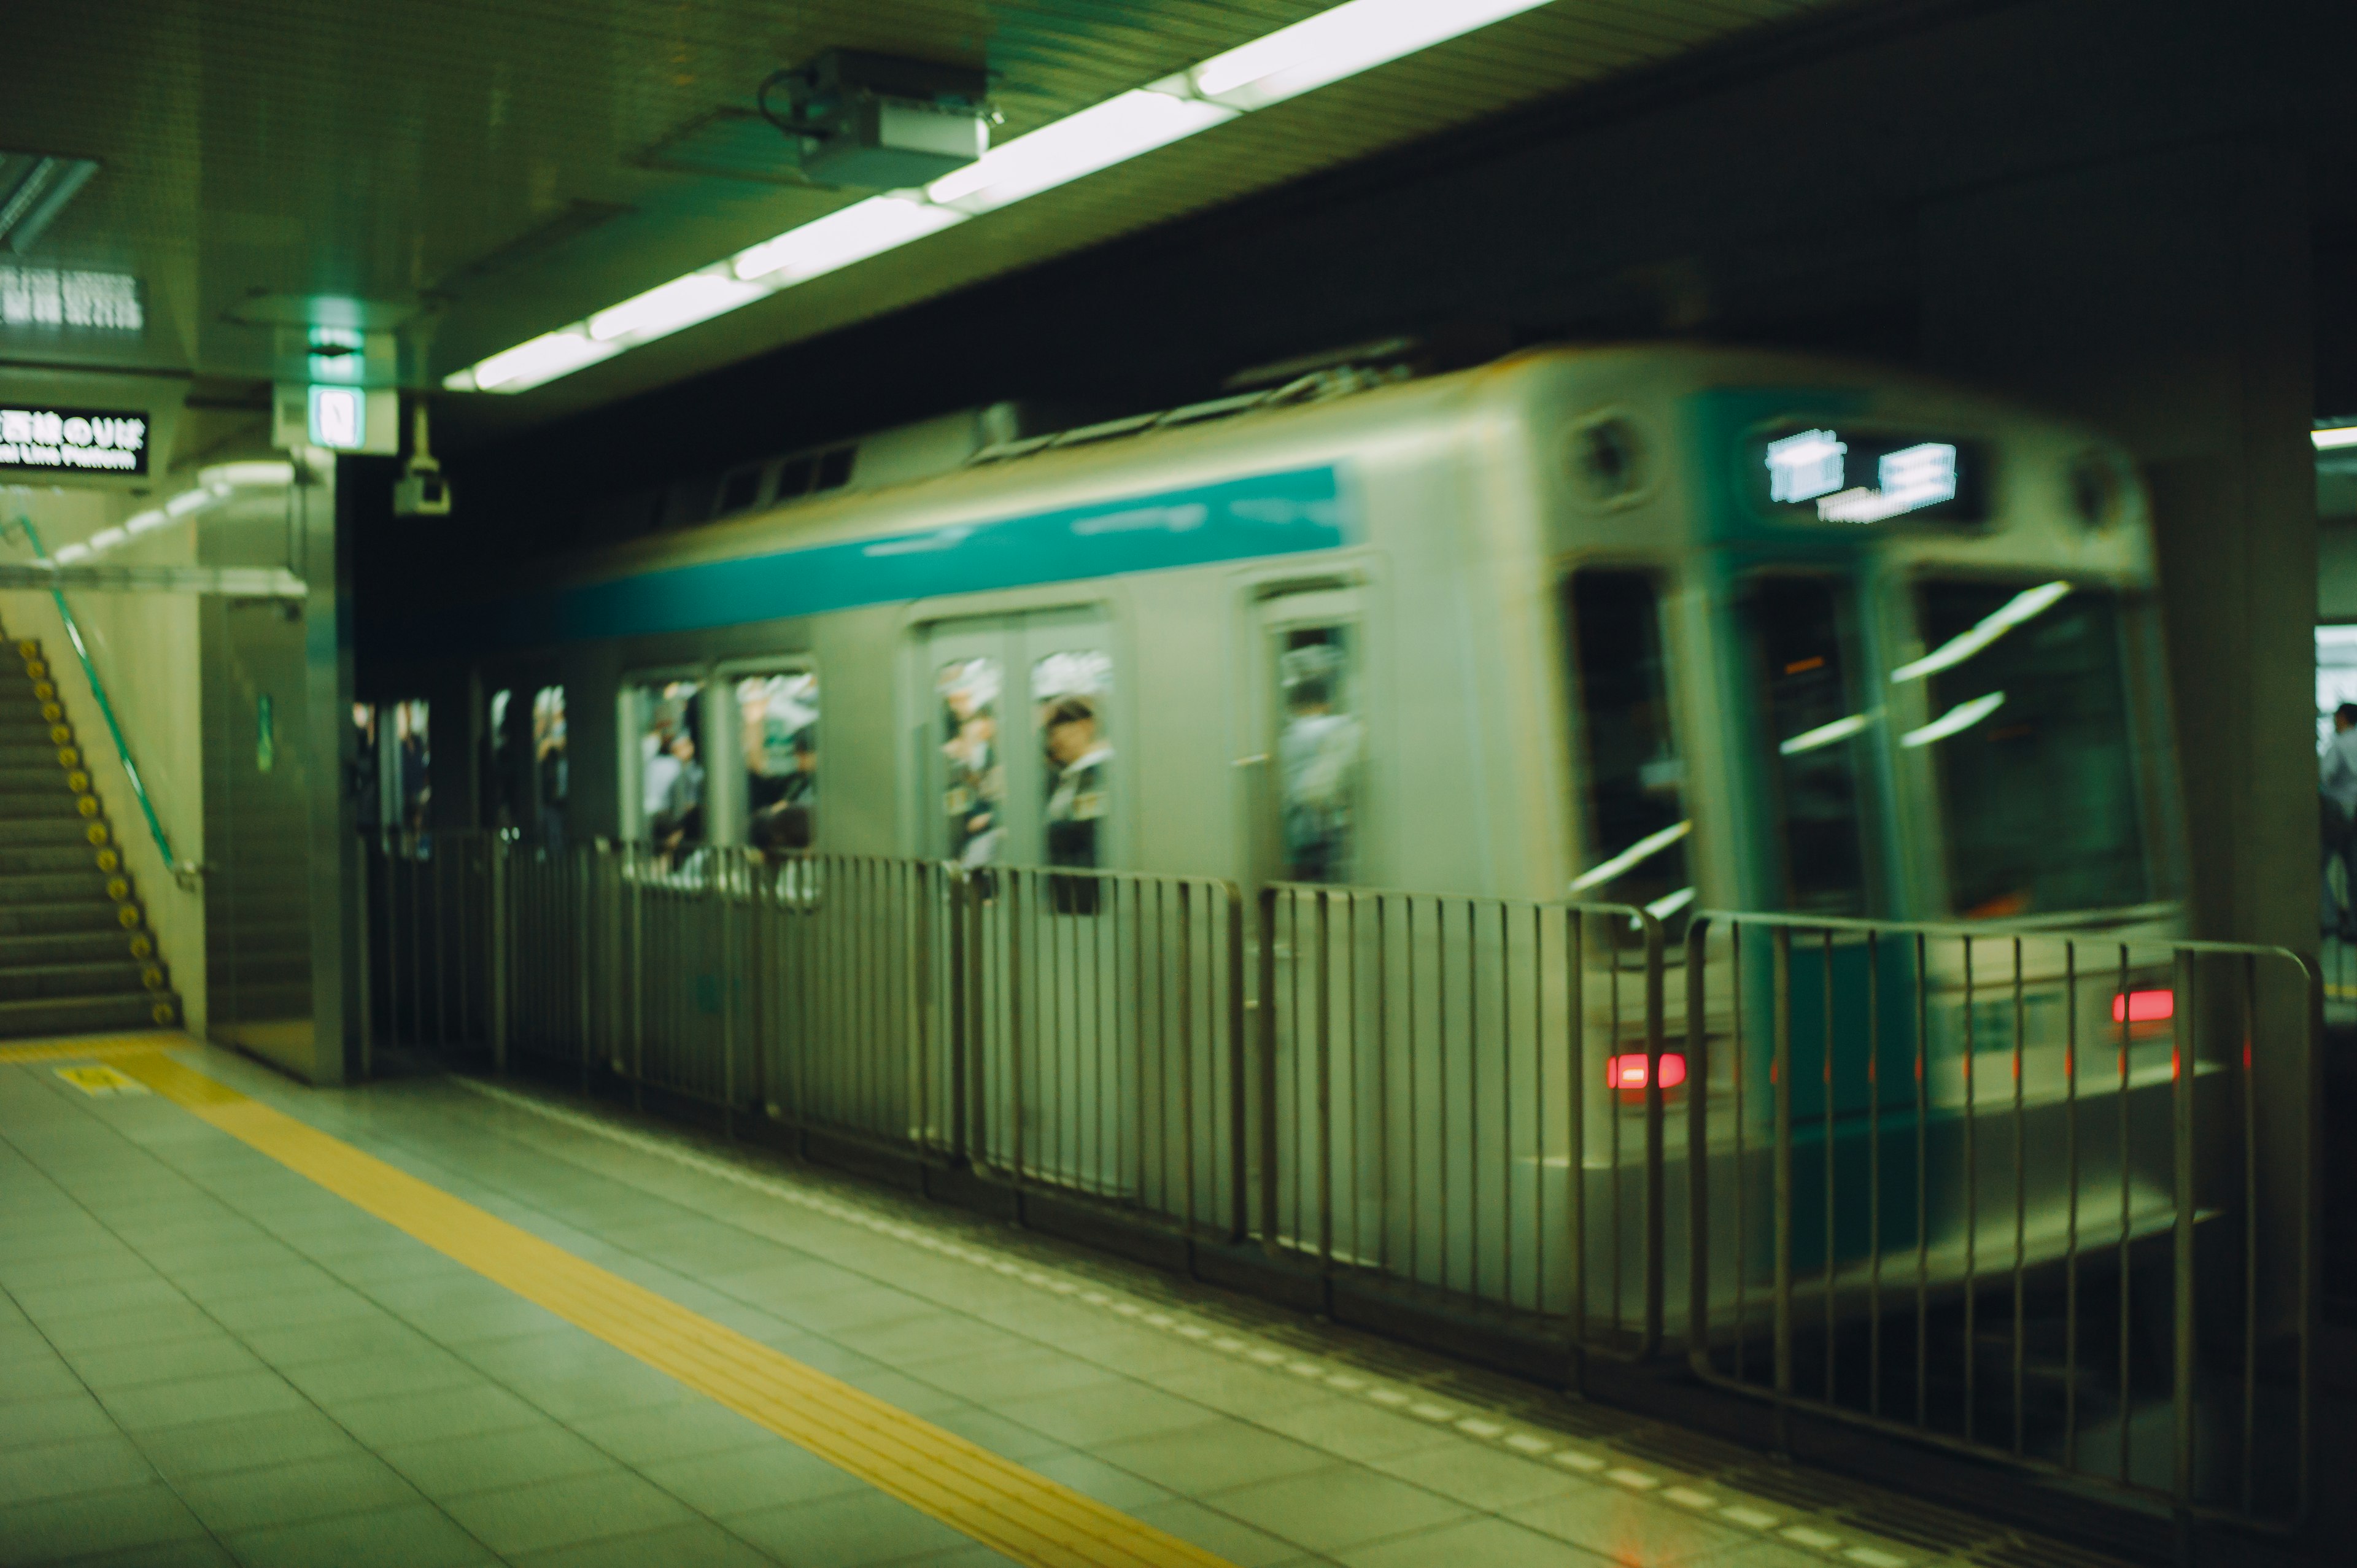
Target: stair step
{"points": [[30, 807], [41, 753], [28, 982], [18, 859], [26, 831], [31, 778], [55, 919], [87, 1014], [112, 945], [51, 887]]}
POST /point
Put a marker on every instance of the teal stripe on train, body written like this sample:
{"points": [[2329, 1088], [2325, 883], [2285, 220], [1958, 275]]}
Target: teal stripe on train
{"points": [[1238, 519]]}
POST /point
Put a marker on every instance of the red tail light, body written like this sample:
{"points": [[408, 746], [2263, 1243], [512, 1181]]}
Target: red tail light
{"points": [[2144, 1006], [1629, 1071]]}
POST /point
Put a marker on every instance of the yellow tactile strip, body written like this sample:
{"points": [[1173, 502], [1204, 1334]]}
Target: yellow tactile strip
{"points": [[97, 1048], [1014, 1511]]}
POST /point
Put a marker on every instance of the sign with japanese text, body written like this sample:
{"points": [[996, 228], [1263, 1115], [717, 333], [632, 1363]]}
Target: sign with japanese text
{"points": [[73, 440]]}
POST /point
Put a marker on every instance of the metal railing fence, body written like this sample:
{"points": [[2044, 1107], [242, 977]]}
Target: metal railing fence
{"points": [[2042, 1197], [1443, 1103], [2007, 1192]]}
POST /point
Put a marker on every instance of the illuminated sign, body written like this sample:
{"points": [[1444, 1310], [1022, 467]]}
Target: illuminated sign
{"points": [[73, 440], [41, 296], [1824, 473], [339, 418]]}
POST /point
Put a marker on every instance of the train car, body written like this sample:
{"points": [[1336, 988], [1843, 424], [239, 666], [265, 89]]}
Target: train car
{"points": [[1666, 625], [1670, 628]]}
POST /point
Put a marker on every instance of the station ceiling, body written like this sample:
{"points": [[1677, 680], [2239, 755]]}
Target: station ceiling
{"points": [[465, 174]]}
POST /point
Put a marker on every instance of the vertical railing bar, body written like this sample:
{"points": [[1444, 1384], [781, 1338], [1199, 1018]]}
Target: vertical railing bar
{"points": [[2071, 1201], [1574, 941], [1187, 1045], [1653, 1235], [2127, 1385], [2184, 1063], [1265, 1070], [1698, 1068], [2020, 1198], [1833, 1326], [1780, 1075], [1873, 1172], [1239, 1219], [1923, 1182], [2250, 1207], [1972, 1196], [1351, 1114], [1324, 1011], [1382, 1085], [1742, 1065]]}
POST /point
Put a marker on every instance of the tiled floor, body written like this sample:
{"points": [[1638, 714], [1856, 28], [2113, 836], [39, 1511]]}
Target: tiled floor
{"points": [[204, 1358]]}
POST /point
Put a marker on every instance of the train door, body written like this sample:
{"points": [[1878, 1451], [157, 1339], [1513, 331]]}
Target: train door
{"points": [[1028, 795], [1309, 811], [1024, 741]]}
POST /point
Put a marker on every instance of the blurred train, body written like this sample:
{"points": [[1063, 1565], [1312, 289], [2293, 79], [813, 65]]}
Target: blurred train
{"points": [[1668, 625], [1674, 629]]}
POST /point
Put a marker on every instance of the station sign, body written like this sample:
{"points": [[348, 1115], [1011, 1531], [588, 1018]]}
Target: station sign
{"points": [[43, 440]]}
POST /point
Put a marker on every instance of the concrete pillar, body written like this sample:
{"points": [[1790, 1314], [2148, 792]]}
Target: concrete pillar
{"points": [[2164, 296]]}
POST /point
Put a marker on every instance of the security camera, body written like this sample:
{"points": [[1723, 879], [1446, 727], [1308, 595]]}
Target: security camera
{"points": [[421, 491]]}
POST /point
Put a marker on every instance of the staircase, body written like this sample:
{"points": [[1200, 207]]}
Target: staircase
{"points": [[76, 956]]}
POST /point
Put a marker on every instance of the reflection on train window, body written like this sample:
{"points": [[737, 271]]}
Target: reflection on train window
{"points": [[1797, 627], [2029, 732], [370, 803], [407, 757], [1070, 691], [1318, 749], [778, 740], [499, 803], [671, 764], [550, 781], [1637, 823], [974, 788]]}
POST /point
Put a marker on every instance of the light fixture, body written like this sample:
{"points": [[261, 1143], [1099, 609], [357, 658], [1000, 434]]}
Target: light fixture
{"points": [[2338, 436], [1339, 42], [1096, 138]]}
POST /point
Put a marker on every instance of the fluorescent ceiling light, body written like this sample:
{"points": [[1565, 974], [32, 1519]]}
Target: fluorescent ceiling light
{"points": [[852, 234], [2022, 606], [545, 358], [1963, 716], [1342, 42], [2339, 435], [1336, 43], [682, 302], [260, 474], [1096, 138]]}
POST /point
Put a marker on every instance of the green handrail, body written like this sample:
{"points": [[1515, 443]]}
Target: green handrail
{"points": [[105, 708]]}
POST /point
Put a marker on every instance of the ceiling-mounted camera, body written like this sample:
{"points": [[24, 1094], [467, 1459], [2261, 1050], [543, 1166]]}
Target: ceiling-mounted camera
{"points": [[421, 491], [877, 123]]}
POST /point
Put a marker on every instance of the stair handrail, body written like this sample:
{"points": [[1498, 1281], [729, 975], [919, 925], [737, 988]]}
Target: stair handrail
{"points": [[184, 875]]}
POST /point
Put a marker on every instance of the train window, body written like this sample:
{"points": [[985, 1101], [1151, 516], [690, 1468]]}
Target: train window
{"points": [[671, 763], [498, 804], [778, 712], [794, 478], [550, 781], [408, 762], [1636, 784], [2029, 735], [974, 799], [1319, 745], [739, 488], [834, 467], [1798, 628], [1071, 691]]}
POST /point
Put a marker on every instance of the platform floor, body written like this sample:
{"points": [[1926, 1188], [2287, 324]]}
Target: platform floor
{"points": [[438, 1322]]}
